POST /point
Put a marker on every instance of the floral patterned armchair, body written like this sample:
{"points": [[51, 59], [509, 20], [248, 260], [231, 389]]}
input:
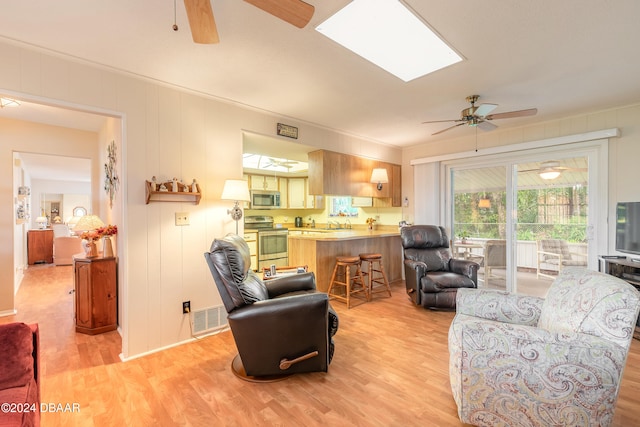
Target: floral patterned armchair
{"points": [[526, 361]]}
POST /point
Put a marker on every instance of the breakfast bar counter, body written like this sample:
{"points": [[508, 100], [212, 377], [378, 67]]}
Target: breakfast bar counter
{"points": [[318, 249]]}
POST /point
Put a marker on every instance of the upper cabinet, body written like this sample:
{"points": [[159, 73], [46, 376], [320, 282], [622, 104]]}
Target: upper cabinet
{"points": [[340, 174], [264, 182]]}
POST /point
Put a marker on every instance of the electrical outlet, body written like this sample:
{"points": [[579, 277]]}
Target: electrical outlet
{"points": [[182, 218], [186, 307]]}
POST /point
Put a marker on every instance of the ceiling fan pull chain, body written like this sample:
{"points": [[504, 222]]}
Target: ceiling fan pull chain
{"points": [[175, 19]]}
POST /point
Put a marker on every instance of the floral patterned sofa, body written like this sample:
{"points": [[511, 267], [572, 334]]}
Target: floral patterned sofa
{"points": [[526, 361]]}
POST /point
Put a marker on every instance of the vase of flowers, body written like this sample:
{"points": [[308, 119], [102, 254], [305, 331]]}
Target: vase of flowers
{"points": [[370, 223], [91, 237], [106, 233]]}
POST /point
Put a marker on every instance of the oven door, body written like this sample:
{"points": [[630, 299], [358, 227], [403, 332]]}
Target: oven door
{"points": [[272, 246]]}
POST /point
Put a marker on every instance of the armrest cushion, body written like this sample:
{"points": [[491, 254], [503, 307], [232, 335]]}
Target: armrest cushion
{"points": [[499, 306], [17, 366], [464, 267], [292, 283]]}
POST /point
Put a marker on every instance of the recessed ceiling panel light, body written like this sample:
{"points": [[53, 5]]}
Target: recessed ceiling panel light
{"points": [[391, 36]]}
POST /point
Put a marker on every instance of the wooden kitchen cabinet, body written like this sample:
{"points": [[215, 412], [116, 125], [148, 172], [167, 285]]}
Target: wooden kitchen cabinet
{"points": [[264, 182], [340, 174], [251, 238], [299, 197], [40, 246], [296, 193], [96, 290]]}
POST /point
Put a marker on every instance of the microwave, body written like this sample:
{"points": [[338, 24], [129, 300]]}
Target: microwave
{"points": [[265, 199]]}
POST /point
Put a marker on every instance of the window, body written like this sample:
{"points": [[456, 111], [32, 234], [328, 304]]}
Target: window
{"points": [[341, 206]]}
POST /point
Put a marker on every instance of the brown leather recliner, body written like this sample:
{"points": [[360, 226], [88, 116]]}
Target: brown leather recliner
{"points": [[281, 328], [432, 275]]}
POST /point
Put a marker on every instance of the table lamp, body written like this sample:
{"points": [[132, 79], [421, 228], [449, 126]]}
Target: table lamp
{"points": [[238, 191], [89, 223]]}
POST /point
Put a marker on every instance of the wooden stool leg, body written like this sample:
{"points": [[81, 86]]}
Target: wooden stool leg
{"points": [[384, 277], [333, 278], [347, 281], [363, 284], [369, 282]]}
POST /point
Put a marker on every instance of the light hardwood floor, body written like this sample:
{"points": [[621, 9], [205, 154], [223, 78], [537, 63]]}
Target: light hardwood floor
{"points": [[390, 369]]}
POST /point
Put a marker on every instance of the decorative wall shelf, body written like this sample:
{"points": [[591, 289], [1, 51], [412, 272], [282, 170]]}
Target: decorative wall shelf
{"points": [[184, 193]]}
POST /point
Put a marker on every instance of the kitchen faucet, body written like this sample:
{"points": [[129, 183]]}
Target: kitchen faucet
{"points": [[347, 224], [336, 223]]}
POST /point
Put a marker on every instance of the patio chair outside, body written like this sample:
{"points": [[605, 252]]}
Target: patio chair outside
{"points": [[554, 254]]}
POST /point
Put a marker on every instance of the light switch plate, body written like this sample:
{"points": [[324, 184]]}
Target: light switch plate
{"points": [[182, 218]]}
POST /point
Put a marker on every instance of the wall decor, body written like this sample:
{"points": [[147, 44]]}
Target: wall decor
{"points": [[287, 130], [111, 180]]}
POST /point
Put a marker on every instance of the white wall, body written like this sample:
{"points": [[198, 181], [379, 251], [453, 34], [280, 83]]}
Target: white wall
{"points": [[167, 132]]}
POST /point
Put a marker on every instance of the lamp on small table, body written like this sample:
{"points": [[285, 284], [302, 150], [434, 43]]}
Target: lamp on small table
{"points": [[238, 191], [89, 223]]}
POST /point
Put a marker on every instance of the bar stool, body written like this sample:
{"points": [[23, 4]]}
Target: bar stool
{"points": [[375, 276], [343, 279]]}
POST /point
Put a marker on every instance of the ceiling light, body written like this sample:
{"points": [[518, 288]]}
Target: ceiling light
{"points": [[484, 203], [549, 173], [8, 102], [391, 36]]}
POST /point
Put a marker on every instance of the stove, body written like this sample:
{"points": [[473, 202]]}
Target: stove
{"points": [[273, 243]]}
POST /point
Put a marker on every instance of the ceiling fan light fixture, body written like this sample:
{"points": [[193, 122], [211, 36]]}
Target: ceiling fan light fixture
{"points": [[549, 173], [391, 36]]}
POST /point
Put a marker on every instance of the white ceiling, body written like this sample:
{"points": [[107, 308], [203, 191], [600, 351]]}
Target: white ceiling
{"points": [[563, 57]]}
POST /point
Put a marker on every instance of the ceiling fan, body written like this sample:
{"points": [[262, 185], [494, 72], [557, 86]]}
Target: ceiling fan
{"points": [[203, 25], [280, 163], [479, 116], [551, 169]]}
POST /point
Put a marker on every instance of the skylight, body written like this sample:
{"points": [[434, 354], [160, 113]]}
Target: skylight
{"points": [[272, 164], [391, 36]]}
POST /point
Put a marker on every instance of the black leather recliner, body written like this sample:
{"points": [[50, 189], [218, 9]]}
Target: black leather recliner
{"points": [[280, 328], [432, 275]]}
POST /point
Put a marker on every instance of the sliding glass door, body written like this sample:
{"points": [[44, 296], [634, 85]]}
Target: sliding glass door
{"points": [[525, 217]]}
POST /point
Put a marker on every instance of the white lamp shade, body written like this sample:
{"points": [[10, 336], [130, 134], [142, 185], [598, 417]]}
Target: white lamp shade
{"points": [[88, 222], [236, 190], [379, 176], [41, 220]]}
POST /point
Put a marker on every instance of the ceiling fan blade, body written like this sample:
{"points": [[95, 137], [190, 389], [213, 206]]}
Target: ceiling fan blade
{"points": [[295, 12], [484, 109], [486, 126], [511, 114], [203, 26], [451, 127], [441, 121]]}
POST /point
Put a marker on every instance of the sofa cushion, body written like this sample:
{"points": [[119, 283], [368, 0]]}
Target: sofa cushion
{"points": [[592, 303], [16, 347]]}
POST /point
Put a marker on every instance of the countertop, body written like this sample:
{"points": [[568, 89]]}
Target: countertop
{"points": [[340, 234]]}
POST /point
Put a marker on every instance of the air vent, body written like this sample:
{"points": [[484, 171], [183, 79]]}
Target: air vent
{"points": [[208, 320]]}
